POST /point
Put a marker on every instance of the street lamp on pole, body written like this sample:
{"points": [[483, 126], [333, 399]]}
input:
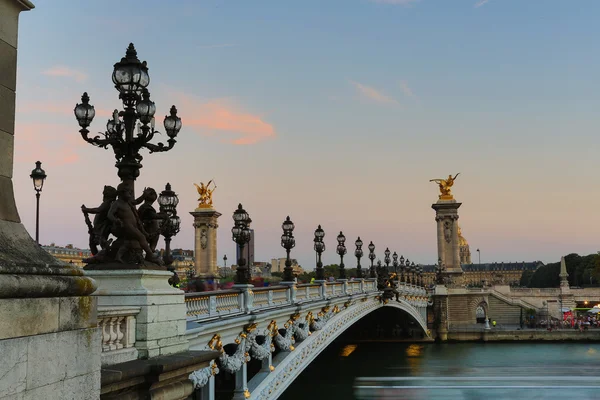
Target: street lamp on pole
{"points": [[319, 248], [387, 260], [38, 175], [241, 235], [372, 273], [167, 201], [395, 263], [341, 250], [479, 254], [225, 261], [288, 243], [127, 133], [358, 253], [402, 269]]}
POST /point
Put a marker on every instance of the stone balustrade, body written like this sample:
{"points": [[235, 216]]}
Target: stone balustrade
{"points": [[117, 330], [208, 305]]}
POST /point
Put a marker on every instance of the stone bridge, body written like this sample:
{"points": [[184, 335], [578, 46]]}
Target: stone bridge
{"points": [[297, 321]]}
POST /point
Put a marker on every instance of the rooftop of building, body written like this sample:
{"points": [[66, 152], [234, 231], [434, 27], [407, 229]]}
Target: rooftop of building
{"points": [[501, 266]]}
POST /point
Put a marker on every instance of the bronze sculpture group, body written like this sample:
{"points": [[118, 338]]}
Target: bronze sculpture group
{"points": [[135, 230]]}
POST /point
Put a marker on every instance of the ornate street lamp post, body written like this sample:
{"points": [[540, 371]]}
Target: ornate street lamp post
{"points": [[288, 243], [439, 272], [38, 175], [169, 227], [358, 253], [402, 268], [407, 270], [241, 235], [413, 269], [225, 261], [341, 250], [127, 132], [395, 263], [372, 272], [319, 248], [387, 260], [131, 80], [420, 274]]}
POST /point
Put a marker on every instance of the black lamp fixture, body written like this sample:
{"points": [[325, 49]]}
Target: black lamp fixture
{"points": [[225, 261], [341, 250], [358, 253], [402, 268], [38, 175], [168, 201], [124, 133], [288, 243], [319, 248], [241, 235], [387, 259], [372, 272], [395, 263]]}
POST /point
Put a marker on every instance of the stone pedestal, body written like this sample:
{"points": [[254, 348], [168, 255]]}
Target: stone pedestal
{"points": [[161, 323], [205, 242], [446, 217]]}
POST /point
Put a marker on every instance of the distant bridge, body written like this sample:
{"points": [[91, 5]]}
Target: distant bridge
{"points": [[299, 321]]}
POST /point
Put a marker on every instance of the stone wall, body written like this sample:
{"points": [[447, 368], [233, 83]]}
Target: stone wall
{"points": [[50, 348]]}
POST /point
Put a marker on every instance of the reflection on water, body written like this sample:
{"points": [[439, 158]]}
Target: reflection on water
{"points": [[503, 371], [347, 350]]}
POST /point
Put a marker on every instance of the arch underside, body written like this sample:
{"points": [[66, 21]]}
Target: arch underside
{"points": [[306, 351]]}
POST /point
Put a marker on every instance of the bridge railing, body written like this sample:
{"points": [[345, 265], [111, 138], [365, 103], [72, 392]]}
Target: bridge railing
{"points": [[117, 331], [207, 305]]}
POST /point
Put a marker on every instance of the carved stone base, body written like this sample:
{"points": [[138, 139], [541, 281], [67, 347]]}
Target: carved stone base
{"points": [[161, 323]]}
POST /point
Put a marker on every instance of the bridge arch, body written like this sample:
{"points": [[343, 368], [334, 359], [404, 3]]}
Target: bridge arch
{"points": [[306, 351]]}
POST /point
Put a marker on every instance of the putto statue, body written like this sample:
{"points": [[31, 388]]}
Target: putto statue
{"points": [[445, 185], [149, 217], [117, 216], [205, 193], [100, 230]]}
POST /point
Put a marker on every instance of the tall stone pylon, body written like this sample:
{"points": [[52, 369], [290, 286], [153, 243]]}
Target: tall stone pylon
{"points": [[46, 309], [205, 233], [448, 240]]}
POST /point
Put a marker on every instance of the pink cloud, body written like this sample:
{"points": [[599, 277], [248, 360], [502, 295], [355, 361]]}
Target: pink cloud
{"points": [[373, 94], [61, 71], [53, 144], [222, 115]]}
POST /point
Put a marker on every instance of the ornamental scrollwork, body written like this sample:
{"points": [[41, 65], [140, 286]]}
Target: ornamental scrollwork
{"points": [[302, 328], [262, 350]]}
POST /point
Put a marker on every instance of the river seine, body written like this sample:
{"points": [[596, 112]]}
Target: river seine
{"points": [[468, 371]]}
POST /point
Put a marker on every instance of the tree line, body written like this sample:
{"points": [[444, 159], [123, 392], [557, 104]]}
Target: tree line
{"points": [[582, 270]]}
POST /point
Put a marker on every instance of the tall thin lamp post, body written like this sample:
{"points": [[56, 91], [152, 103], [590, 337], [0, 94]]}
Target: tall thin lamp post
{"points": [[479, 254], [38, 175]]}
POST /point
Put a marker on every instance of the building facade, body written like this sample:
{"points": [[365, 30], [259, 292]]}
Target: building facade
{"points": [[68, 254]]}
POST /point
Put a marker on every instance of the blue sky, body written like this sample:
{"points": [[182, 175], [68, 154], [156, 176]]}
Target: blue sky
{"points": [[335, 112]]}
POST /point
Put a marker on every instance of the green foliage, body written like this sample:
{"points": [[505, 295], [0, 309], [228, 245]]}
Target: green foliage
{"points": [[582, 270]]}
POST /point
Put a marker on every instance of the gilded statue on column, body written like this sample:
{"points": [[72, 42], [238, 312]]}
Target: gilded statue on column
{"points": [[445, 185], [205, 193]]}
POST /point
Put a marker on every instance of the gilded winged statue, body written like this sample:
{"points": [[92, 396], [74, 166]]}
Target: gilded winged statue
{"points": [[445, 185], [205, 193]]}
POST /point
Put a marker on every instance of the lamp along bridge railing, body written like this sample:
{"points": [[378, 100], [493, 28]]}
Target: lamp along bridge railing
{"points": [[239, 301]]}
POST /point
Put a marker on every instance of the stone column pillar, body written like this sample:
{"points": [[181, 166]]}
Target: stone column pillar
{"points": [[446, 217], [50, 344], [205, 242]]}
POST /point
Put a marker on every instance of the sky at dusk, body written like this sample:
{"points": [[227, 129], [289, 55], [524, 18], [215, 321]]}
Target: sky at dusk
{"points": [[334, 112]]}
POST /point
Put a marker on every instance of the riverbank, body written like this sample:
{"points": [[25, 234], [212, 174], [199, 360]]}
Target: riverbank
{"points": [[492, 335]]}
